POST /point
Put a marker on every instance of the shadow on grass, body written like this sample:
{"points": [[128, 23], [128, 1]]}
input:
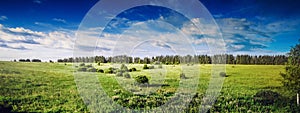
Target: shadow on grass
{"points": [[154, 85]]}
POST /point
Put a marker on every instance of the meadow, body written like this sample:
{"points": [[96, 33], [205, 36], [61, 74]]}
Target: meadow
{"points": [[60, 87]]}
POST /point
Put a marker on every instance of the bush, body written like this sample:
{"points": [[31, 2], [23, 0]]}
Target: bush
{"points": [[145, 67], [133, 69], [182, 76], [82, 64], [82, 69], [119, 74], [266, 97], [109, 70], [142, 79], [151, 67], [100, 70], [126, 75], [130, 70], [124, 67], [92, 69], [223, 74]]}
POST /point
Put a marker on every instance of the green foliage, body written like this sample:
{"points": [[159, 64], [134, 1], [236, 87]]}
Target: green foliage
{"points": [[266, 97], [133, 69], [141, 79], [292, 76], [109, 70], [100, 70], [145, 66]]}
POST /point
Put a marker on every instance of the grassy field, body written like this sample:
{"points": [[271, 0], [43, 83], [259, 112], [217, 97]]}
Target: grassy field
{"points": [[58, 87]]}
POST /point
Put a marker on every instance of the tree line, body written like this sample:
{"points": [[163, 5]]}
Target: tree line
{"points": [[28, 60], [176, 59]]}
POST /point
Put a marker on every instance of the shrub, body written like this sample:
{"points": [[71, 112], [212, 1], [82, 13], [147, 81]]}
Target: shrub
{"points": [[92, 69], [151, 67], [182, 76], [223, 74], [142, 79], [124, 68], [145, 67], [82, 69], [100, 70], [266, 97], [98, 63], [130, 70], [133, 69], [126, 75], [109, 70], [119, 74], [82, 64]]}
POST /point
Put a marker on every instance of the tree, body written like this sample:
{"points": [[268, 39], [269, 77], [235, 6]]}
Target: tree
{"points": [[292, 76]]}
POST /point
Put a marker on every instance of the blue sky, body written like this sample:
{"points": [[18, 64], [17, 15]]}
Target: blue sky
{"points": [[46, 29]]}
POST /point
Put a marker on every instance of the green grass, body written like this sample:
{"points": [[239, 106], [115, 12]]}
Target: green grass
{"points": [[51, 87]]}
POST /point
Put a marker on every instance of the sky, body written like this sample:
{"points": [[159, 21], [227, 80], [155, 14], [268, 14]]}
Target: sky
{"points": [[47, 29]]}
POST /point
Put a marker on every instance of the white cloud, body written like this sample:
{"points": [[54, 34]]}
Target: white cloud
{"points": [[31, 43], [3, 18], [59, 20]]}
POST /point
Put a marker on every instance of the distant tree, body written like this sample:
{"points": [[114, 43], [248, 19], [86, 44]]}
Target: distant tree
{"points": [[60, 60], [292, 76], [36, 60], [15, 60], [22, 60], [27, 60]]}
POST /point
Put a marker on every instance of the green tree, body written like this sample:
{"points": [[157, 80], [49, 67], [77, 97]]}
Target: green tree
{"points": [[292, 76]]}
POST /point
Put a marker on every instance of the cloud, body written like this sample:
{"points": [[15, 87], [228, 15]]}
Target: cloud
{"points": [[161, 44], [43, 24], [3, 18], [20, 35], [59, 20], [11, 47]]}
